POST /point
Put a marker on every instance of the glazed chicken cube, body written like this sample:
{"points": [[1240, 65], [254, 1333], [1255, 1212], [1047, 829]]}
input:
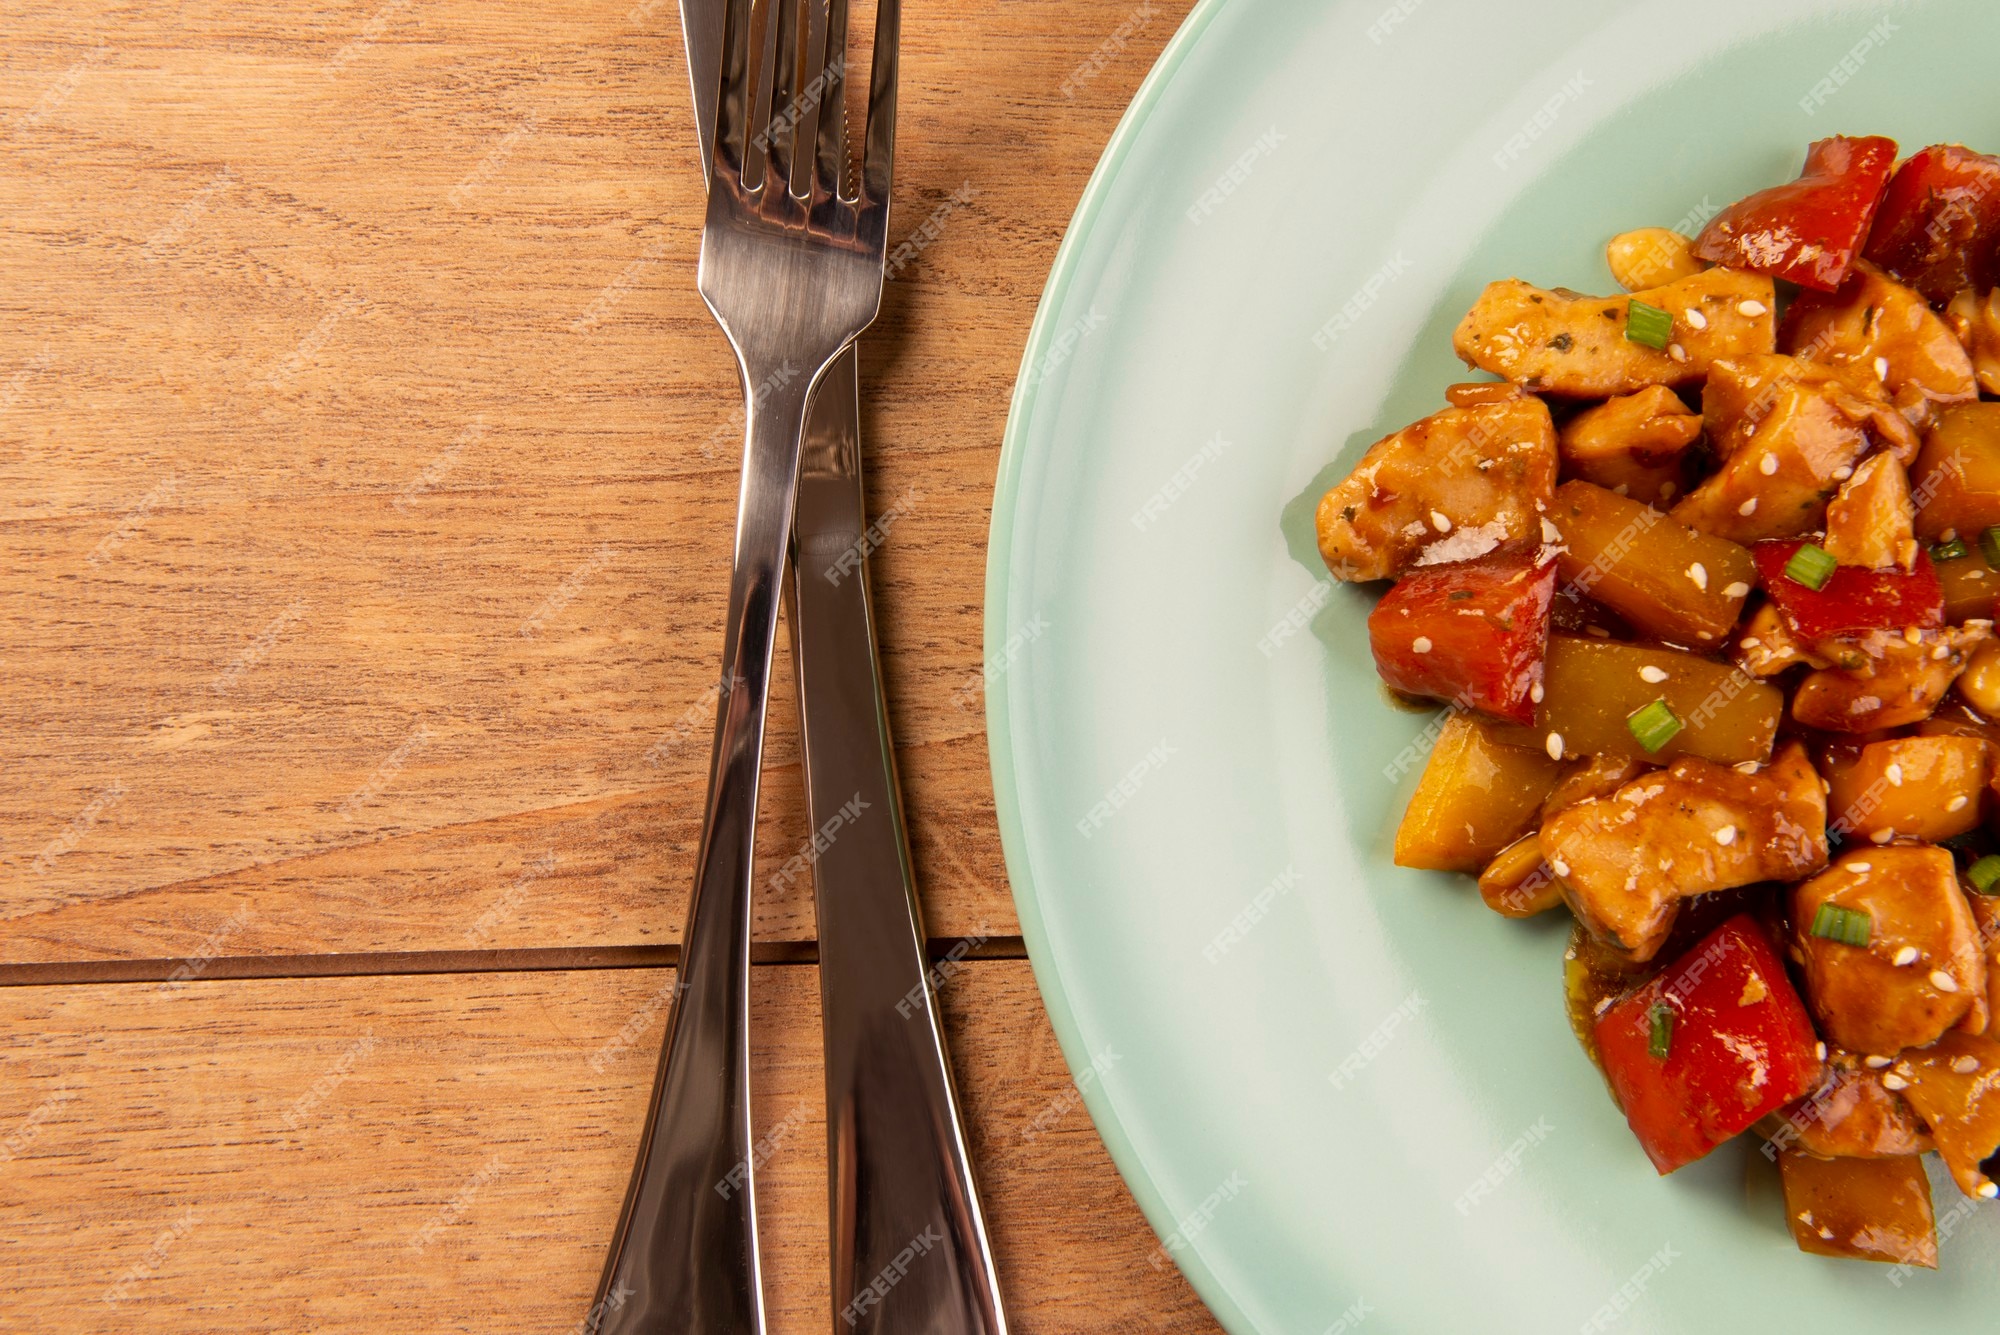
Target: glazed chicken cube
{"points": [[1871, 523], [1790, 433], [1850, 1116], [1563, 343], [1885, 679], [1875, 323], [1921, 965], [1635, 445], [1626, 861], [1452, 487], [1975, 321]]}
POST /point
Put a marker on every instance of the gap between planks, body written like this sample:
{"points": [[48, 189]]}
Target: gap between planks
{"points": [[396, 962]]}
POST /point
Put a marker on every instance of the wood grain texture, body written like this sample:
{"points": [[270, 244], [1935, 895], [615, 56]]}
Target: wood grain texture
{"points": [[367, 463], [428, 1155]]}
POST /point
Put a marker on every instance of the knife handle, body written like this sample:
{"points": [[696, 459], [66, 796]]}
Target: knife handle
{"points": [[910, 1252]]}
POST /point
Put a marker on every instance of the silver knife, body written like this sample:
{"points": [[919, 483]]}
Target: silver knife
{"points": [[910, 1254]]}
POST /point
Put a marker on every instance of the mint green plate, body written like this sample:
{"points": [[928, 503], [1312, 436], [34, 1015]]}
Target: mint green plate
{"points": [[1307, 1109]]}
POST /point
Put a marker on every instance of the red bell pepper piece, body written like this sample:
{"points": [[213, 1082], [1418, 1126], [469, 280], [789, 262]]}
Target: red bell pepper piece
{"points": [[1808, 230], [1852, 600], [1473, 632], [1939, 222], [1738, 1045]]}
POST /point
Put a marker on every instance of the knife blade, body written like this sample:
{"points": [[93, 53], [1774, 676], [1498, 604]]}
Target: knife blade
{"points": [[910, 1253]]}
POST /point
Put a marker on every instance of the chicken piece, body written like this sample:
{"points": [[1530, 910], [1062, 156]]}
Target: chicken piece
{"points": [[1955, 1088], [1767, 646], [1975, 321], [1635, 445], [1922, 965], [1885, 679], [1452, 487], [1884, 328], [1651, 257], [1591, 777], [1743, 394], [1575, 346], [1850, 1116], [1626, 861], [1872, 522], [1789, 433]]}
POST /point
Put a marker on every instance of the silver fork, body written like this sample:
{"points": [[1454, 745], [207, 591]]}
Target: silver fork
{"points": [[791, 266]]}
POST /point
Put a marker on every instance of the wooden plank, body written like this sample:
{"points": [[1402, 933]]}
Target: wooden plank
{"points": [[448, 1153], [366, 470]]}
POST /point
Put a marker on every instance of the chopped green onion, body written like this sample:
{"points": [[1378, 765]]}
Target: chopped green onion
{"points": [[1985, 874], [1850, 927], [1661, 1017], [1950, 551], [1811, 566], [1648, 325], [1654, 725], [1989, 546]]}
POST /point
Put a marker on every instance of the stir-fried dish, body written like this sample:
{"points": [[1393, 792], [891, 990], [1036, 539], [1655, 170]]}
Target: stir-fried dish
{"points": [[1706, 573]]}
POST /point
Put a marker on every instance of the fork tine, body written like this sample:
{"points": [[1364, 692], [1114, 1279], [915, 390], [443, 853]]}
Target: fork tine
{"points": [[727, 158], [830, 159], [814, 80], [778, 106], [878, 160]]}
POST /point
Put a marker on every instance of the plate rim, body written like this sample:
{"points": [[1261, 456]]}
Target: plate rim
{"points": [[1104, 1117]]}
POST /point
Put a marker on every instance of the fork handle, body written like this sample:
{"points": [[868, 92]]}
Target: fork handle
{"points": [[684, 1255], [910, 1252]]}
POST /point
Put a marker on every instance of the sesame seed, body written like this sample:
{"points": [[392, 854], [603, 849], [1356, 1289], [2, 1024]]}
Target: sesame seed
{"points": [[1943, 981], [1957, 803], [1965, 1065], [1667, 489], [1558, 866], [1736, 589], [1753, 309], [1859, 867], [1939, 654], [1768, 465], [1949, 535], [1883, 836], [1652, 674], [1550, 533], [1748, 507], [1842, 473], [1989, 1188], [1555, 745], [1699, 574], [1677, 352], [1895, 775], [1881, 368], [1535, 692], [1894, 1081], [1726, 835], [1695, 318], [1877, 1063], [1907, 955], [1911, 635], [1597, 631], [1819, 1050], [1440, 522], [1421, 645], [1752, 642], [1745, 767]]}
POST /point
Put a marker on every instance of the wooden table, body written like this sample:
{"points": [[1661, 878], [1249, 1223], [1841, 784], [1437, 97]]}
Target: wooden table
{"points": [[368, 489]]}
